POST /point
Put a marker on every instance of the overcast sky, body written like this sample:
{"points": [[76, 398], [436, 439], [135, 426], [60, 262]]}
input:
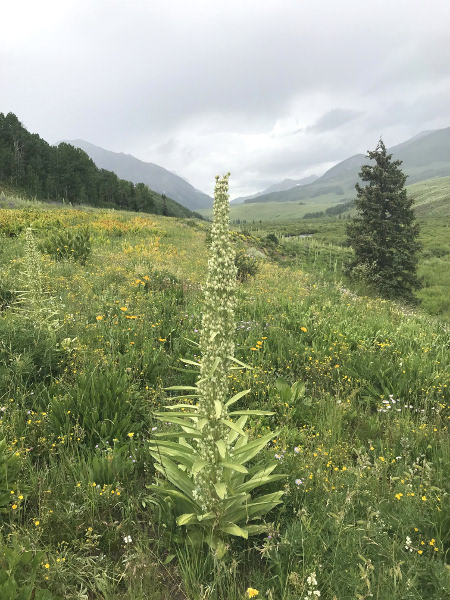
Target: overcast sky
{"points": [[266, 89]]}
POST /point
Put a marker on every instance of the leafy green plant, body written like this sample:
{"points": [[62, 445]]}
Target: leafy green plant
{"points": [[101, 404], [112, 467], [271, 237], [69, 244], [19, 567], [247, 266], [208, 478]]}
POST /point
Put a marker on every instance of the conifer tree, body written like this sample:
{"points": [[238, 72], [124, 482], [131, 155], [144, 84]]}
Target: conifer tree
{"points": [[384, 233]]}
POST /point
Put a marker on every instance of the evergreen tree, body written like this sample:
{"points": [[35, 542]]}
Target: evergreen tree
{"points": [[384, 234]]}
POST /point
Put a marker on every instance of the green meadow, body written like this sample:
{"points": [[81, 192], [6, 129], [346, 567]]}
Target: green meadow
{"points": [[358, 388], [431, 199]]}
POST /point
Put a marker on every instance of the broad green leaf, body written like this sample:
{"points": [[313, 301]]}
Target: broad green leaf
{"points": [[235, 530], [281, 384], [233, 434], [176, 476], [190, 362], [251, 412], [178, 434], [181, 387], [184, 396], [233, 503], [255, 482], [236, 397], [185, 370], [173, 446], [198, 466], [251, 449], [169, 415], [232, 425], [242, 441], [267, 469], [256, 529], [169, 559], [221, 490], [187, 519], [232, 358], [207, 516], [182, 459], [182, 441], [162, 490], [260, 506], [176, 406], [233, 466], [222, 448], [177, 421]]}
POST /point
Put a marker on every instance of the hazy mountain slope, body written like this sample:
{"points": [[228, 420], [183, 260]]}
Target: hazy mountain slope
{"points": [[286, 184], [157, 178], [425, 156], [431, 197]]}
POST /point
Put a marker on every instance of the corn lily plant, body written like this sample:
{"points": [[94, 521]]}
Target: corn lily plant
{"points": [[206, 471]]}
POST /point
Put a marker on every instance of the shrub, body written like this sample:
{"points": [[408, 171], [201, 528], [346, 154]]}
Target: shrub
{"points": [[272, 238], [68, 244], [246, 265]]}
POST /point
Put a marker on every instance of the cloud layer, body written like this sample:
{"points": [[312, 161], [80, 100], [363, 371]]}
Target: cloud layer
{"points": [[265, 89]]}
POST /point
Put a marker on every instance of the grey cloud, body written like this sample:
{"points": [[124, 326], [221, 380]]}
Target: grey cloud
{"points": [[333, 119], [149, 75]]}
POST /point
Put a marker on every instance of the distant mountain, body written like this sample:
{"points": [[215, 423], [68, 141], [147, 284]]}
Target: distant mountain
{"points": [[286, 184], [424, 156], [157, 178], [68, 174]]}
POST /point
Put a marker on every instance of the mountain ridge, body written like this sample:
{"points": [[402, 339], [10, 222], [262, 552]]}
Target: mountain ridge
{"points": [[159, 179], [286, 184], [424, 156]]}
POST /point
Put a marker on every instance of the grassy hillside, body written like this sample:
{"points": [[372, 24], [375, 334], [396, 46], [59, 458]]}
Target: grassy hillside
{"points": [[363, 438], [431, 197]]}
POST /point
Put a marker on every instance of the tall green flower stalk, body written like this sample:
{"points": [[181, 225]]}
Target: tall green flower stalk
{"points": [[206, 477], [216, 345], [35, 304], [33, 273]]}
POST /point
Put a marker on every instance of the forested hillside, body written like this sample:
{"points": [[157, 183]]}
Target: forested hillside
{"points": [[32, 166]]}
